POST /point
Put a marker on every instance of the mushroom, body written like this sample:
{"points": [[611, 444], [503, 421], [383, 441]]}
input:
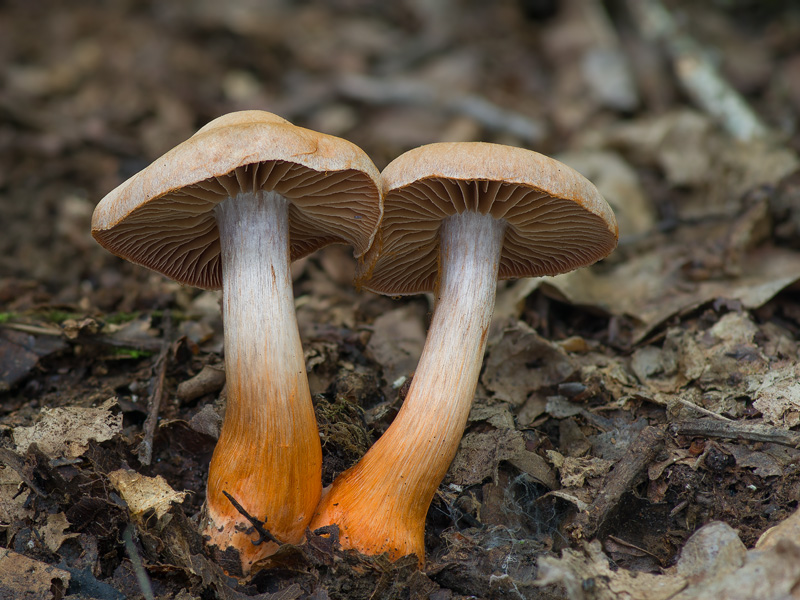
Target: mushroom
{"points": [[231, 207], [457, 217]]}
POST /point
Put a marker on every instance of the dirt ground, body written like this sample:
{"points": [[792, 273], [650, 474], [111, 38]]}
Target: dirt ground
{"points": [[636, 426]]}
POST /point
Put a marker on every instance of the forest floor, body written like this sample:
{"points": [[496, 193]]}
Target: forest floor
{"points": [[636, 428]]}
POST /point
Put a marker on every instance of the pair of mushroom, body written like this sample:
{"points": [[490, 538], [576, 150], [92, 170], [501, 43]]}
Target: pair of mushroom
{"points": [[232, 206]]}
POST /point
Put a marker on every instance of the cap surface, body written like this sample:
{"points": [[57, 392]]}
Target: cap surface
{"points": [[557, 220], [163, 217]]}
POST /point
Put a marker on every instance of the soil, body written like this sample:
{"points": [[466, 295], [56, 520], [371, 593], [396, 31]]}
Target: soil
{"points": [[631, 403]]}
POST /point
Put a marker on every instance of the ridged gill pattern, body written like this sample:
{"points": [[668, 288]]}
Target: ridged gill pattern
{"points": [[176, 234], [546, 235]]}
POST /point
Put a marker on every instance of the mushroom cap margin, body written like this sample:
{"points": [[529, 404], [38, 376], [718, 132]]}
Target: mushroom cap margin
{"points": [[162, 217], [557, 220]]}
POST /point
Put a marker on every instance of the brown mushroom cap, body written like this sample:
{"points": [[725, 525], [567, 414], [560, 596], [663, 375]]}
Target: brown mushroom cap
{"points": [[557, 220], [163, 217]]}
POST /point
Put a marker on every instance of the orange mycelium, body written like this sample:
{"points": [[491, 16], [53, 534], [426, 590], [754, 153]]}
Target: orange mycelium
{"points": [[230, 208], [457, 217]]}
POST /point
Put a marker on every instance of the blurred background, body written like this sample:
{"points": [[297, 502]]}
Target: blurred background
{"points": [[92, 92], [683, 113]]}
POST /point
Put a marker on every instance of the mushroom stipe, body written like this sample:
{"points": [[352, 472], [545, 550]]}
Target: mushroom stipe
{"points": [[234, 204], [231, 207], [456, 218]]}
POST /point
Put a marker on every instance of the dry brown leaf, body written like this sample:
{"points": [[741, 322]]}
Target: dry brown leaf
{"points": [[713, 552], [713, 564], [13, 504], [776, 394], [396, 342], [651, 287], [772, 574], [761, 461], [523, 362], [23, 577], [144, 493], [573, 471], [692, 153], [497, 415], [619, 184], [54, 531], [588, 575], [65, 432], [479, 456], [787, 530], [509, 304]]}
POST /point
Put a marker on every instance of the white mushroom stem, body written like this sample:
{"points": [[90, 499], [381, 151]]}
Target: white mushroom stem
{"points": [[380, 504], [268, 456]]}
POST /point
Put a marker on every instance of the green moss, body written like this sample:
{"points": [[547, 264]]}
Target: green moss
{"points": [[122, 317], [130, 353], [58, 316]]}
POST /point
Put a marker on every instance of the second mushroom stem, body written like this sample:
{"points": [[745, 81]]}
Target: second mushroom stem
{"points": [[380, 504], [268, 456]]}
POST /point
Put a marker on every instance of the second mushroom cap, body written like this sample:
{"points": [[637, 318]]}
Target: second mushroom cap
{"points": [[557, 220]]}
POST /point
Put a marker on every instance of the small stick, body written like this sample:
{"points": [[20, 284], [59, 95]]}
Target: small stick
{"points": [[696, 73], [690, 405], [84, 339], [419, 93], [733, 430], [641, 452], [263, 534], [145, 450], [136, 561]]}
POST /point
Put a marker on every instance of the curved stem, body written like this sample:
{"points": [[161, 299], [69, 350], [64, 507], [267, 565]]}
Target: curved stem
{"points": [[268, 457], [381, 503]]}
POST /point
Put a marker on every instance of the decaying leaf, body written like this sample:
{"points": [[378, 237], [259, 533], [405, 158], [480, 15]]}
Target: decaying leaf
{"points": [[20, 353], [713, 552], [619, 184], [573, 471], [479, 456], [13, 497], [54, 531], [522, 362], [396, 342], [652, 287], [143, 494], [776, 395], [713, 564], [509, 304], [22, 577], [691, 152], [772, 574], [588, 575], [769, 460], [787, 530], [65, 432]]}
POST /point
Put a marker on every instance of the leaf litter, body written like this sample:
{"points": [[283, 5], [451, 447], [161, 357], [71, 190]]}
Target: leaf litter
{"points": [[635, 428]]}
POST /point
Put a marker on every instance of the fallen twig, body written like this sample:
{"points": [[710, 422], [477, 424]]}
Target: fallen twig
{"points": [[734, 430], [686, 403], [640, 453], [696, 73], [140, 344], [263, 534], [419, 93], [145, 449], [136, 561]]}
